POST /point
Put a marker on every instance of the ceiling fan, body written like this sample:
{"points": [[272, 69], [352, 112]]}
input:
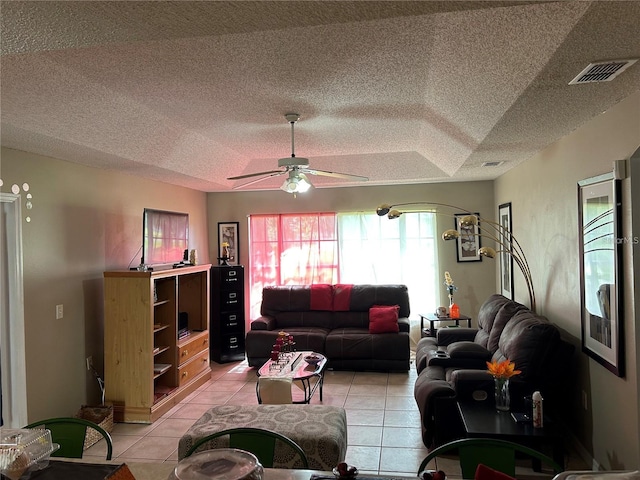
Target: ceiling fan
{"points": [[295, 168]]}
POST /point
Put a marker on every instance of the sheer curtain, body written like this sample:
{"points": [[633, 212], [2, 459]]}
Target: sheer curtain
{"points": [[291, 249], [374, 249], [303, 249]]}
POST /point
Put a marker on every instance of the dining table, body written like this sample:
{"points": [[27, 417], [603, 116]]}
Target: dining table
{"points": [[81, 469]]}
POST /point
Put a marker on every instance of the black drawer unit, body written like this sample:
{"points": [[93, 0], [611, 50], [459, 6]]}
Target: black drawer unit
{"points": [[227, 313], [232, 347]]}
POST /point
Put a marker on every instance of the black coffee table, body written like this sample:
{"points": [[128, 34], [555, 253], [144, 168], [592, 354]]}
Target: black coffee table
{"points": [[482, 420], [432, 318]]}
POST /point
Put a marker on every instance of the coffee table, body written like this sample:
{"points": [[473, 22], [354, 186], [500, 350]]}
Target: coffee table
{"points": [[299, 371], [482, 420]]}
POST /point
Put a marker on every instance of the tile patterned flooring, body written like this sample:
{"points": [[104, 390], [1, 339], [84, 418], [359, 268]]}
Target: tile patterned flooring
{"points": [[382, 417]]}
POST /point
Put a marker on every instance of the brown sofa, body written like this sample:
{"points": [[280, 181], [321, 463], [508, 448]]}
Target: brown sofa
{"points": [[452, 366], [333, 320]]}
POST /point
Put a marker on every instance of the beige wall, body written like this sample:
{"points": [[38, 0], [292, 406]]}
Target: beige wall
{"points": [[543, 192], [84, 221], [474, 279]]}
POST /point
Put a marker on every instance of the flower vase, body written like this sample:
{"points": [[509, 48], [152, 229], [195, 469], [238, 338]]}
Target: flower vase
{"points": [[502, 394], [454, 310]]}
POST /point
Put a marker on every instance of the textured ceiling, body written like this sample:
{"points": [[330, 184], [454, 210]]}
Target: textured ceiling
{"points": [[190, 93]]}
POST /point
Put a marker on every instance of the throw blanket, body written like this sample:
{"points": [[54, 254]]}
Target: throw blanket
{"points": [[341, 297], [321, 297], [335, 298]]}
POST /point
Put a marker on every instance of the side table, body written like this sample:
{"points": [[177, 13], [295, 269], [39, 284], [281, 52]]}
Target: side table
{"points": [[482, 420], [432, 318]]}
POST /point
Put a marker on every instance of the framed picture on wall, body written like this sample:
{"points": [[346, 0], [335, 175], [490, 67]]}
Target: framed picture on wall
{"points": [[600, 250], [506, 260], [468, 242], [228, 243]]}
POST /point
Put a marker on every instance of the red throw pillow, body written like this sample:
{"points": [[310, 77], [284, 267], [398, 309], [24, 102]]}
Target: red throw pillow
{"points": [[486, 473], [384, 319]]}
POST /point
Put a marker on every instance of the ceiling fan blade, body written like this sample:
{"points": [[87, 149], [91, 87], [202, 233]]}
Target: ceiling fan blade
{"points": [[239, 177], [324, 173], [274, 173]]}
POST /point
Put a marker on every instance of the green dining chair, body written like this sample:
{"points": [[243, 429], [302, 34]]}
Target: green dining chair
{"points": [[260, 442], [70, 433], [494, 453]]}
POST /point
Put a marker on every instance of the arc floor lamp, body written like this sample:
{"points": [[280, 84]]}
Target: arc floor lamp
{"points": [[501, 235]]}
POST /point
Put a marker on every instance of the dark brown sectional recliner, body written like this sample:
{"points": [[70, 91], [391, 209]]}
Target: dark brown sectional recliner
{"points": [[452, 366], [333, 320]]}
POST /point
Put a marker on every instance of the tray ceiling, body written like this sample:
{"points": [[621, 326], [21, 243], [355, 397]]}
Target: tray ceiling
{"points": [[190, 93]]}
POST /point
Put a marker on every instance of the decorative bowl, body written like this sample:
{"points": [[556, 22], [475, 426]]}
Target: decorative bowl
{"points": [[313, 359], [353, 472]]}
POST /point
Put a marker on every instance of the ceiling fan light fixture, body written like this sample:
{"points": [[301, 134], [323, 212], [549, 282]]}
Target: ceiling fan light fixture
{"points": [[295, 169], [296, 182]]}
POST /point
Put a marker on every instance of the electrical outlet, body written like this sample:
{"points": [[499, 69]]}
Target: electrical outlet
{"points": [[89, 362], [585, 404], [59, 311]]}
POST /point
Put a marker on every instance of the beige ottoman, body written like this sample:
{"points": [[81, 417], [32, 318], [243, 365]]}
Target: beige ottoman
{"points": [[320, 430]]}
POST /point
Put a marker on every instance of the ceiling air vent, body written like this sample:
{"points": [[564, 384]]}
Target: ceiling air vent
{"points": [[602, 71], [492, 164]]}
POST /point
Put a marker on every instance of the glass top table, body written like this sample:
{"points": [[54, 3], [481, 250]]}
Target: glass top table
{"points": [[298, 370], [432, 318]]}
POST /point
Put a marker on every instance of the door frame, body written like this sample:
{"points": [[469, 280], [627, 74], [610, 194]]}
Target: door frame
{"points": [[12, 342]]}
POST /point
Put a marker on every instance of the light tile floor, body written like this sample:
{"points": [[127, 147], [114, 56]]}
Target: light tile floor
{"points": [[382, 420]]}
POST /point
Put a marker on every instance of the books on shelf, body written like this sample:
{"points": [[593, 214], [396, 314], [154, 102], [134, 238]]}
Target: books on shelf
{"points": [[161, 367], [161, 391]]}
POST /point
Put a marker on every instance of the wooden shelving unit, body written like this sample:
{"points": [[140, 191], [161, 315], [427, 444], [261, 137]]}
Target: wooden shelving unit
{"points": [[148, 369]]}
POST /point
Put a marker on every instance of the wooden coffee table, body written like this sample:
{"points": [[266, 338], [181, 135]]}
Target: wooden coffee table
{"points": [[302, 372], [482, 420]]}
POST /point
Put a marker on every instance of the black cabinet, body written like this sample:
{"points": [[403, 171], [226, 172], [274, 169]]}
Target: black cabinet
{"points": [[227, 313]]}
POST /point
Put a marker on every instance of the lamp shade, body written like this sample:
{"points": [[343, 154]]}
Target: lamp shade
{"points": [[383, 209], [296, 182], [450, 234], [487, 252]]}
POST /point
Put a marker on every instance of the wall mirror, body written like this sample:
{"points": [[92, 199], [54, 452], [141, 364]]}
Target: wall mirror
{"points": [[600, 279]]}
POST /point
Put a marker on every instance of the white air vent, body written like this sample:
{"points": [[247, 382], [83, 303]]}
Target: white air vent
{"points": [[602, 71], [492, 164]]}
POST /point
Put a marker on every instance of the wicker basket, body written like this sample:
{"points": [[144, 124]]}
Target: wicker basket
{"points": [[101, 415]]}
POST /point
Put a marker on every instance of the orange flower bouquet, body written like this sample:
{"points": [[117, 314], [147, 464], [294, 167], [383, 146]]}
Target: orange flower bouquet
{"points": [[502, 372]]}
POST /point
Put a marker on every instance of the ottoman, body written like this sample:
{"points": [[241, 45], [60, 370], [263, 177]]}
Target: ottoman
{"points": [[320, 430]]}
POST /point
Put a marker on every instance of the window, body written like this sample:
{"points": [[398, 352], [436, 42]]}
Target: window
{"points": [[291, 249], [301, 249], [377, 250]]}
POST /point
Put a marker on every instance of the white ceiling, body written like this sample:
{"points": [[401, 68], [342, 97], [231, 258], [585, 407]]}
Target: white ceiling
{"points": [[190, 93]]}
